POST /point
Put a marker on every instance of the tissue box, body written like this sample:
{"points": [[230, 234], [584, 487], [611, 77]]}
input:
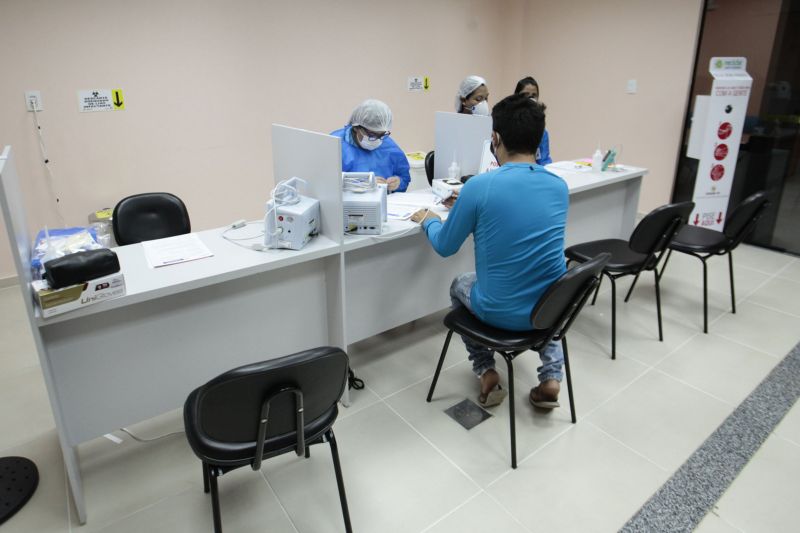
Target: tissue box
{"points": [[54, 302]]}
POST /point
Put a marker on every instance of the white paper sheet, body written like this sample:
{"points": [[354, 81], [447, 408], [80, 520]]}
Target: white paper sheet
{"points": [[572, 166], [174, 250]]}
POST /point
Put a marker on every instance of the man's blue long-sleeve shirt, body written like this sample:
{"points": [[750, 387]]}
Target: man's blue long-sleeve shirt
{"points": [[517, 215]]}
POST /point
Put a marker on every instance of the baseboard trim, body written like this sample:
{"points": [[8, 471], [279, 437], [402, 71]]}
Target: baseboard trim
{"points": [[8, 282]]}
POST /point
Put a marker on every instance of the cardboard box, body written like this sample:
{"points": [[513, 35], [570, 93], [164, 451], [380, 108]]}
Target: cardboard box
{"points": [[54, 302]]}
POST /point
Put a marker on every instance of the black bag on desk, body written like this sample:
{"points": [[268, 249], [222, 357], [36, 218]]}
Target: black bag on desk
{"points": [[79, 267]]}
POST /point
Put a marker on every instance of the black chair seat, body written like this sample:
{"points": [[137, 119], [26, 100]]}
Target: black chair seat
{"points": [[623, 259], [701, 240], [236, 454], [465, 323]]}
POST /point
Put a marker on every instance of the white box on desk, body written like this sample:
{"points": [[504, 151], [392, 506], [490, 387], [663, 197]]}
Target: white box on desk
{"points": [[56, 301]]}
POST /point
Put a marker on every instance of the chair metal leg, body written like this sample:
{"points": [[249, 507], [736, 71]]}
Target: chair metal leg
{"points": [[613, 318], [439, 366], [733, 293], [308, 452], [705, 296], [215, 502], [569, 379], [206, 487], [597, 290], [658, 307], [511, 413], [633, 284], [339, 480], [666, 260]]}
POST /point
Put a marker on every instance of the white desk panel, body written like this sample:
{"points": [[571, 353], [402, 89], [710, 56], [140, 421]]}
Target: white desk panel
{"points": [[229, 262]]}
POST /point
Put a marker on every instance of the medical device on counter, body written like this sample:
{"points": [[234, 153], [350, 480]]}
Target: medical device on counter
{"points": [[291, 219], [444, 189], [364, 203]]}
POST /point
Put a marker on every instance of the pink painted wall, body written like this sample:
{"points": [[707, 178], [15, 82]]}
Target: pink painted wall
{"points": [[583, 52], [204, 79]]}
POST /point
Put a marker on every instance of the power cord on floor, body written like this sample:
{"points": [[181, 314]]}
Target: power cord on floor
{"points": [[153, 439], [352, 381]]}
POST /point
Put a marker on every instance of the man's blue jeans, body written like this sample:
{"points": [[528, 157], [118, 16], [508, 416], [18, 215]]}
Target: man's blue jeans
{"points": [[482, 358]]}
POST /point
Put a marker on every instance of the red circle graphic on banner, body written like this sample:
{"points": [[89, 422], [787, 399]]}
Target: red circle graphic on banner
{"points": [[725, 130], [721, 152], [717, 171]]}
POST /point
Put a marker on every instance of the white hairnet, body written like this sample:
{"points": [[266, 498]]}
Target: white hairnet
{"points": [[373, 115], [467, 87]]}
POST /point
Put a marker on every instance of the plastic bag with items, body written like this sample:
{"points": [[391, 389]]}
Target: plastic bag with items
{"points": [[61, 242]]}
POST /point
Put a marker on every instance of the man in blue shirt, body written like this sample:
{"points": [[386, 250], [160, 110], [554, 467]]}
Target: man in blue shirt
{"points": [[517, 214], [366, 146]]}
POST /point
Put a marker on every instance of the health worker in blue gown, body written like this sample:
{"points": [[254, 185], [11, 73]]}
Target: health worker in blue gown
{"points": [[367, 147], [530, 88]]}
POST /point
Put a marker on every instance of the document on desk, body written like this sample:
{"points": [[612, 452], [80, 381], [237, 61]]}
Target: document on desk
{"points": [[174, 250], [574, 166]]}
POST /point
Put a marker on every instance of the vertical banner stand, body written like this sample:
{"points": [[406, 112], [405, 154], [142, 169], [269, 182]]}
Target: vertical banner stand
{"points": [[716, 134]]}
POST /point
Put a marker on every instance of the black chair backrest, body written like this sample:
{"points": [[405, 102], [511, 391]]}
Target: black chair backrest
{"points": [[148, 216], [743, 219], [228, 407], [429, 167], [656, 230], [563, 300]]}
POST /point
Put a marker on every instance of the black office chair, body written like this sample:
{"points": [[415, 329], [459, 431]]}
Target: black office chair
{"points": [[148, 216], [551, 318], [429, 167], [641, 252], [266, 409], [703, 243]]}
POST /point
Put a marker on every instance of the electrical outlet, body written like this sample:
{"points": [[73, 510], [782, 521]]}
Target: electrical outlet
{"points": [[33, 101]]}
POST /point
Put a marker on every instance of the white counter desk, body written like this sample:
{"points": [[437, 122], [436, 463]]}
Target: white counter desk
{"points": [[405, 279], [126, 360]]}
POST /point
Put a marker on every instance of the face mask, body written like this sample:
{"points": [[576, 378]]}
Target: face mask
{"points": [[368, 144], [481, 109]]}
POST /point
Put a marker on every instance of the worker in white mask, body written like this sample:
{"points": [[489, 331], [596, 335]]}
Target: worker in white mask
{"points": [[473, 97], [367, 147]]}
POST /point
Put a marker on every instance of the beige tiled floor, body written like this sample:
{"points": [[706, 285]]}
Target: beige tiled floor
{"points": [[409, 468]]}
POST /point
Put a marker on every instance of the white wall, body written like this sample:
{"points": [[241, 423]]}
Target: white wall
{"points": [[203, 80]]}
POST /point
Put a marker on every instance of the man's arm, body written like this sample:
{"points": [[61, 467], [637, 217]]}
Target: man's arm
{"points": [[447, 237]]}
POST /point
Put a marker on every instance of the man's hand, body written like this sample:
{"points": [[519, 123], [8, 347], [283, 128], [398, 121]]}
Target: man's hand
{"points": [[379, 179], [450, 201], [425, 214], [392, 183]]}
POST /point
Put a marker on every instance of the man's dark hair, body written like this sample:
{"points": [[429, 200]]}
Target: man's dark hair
{"points": [[520, 123], [525, 81]]}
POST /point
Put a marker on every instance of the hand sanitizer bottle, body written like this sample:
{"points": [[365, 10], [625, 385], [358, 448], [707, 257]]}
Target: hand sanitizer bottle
{"points": [[453, 171], [597, 160]]}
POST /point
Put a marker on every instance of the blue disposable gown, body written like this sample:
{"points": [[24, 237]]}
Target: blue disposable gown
{"points": [[543, 153], [385, 161]]}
